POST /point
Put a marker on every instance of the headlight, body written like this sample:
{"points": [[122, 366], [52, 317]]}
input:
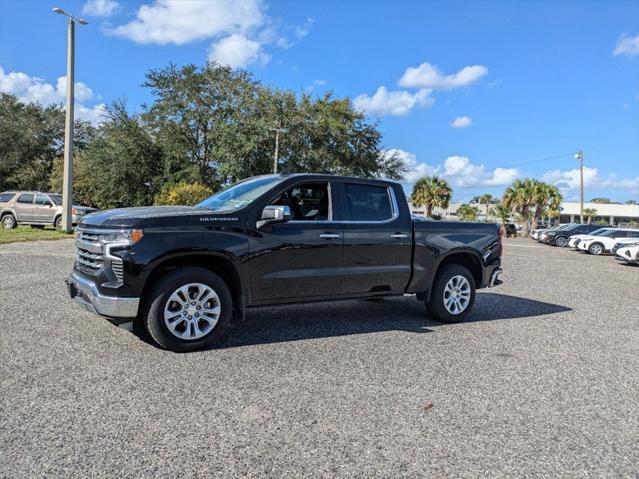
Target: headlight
{"points": [[126, 236]]}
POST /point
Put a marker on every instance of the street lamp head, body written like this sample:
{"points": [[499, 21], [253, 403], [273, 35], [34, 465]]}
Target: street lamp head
{"points": [[59, 10], [82, 21]]}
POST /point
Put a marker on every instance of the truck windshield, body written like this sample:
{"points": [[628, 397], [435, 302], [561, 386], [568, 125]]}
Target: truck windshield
{"points": [[240, 194]]}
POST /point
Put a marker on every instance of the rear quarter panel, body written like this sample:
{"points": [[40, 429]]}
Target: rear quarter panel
{"points": [[437, 240]]}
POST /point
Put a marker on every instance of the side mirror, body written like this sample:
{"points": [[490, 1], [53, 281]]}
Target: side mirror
{"points": [[274, 214]]}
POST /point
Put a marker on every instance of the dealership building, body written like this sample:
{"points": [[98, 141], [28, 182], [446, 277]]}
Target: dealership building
{"points": [[612, 214]]}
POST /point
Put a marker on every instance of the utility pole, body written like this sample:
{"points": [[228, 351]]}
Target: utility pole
{"points": [[277, 146], [67, 181], [580, 156]]}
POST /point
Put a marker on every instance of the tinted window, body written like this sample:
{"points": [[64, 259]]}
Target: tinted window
{"points": [[308, 202], [26, 198], [57, 199], [42, 200], [620, 234], [367, 203], [633, 234], [4, 197]]}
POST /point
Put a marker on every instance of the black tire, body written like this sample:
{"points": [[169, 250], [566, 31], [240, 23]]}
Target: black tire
{"points": [[436, 305], [57, 223], [596, 249], [561, 241], [158, 296], [9, 222]]}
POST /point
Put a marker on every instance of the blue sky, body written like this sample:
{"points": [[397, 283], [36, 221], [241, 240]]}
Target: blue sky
{"points": [[521, 81]]}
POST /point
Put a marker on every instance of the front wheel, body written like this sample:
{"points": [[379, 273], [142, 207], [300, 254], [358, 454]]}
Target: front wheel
{"points": [[9, 222], [453, 294], [562, 241], [596, 249], [188, 309]]}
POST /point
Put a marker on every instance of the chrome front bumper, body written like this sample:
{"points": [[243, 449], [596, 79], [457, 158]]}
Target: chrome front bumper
{"points": [[86, 294]]}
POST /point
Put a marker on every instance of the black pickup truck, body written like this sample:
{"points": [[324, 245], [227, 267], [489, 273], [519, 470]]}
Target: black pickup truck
{"points": [[187, 272]]}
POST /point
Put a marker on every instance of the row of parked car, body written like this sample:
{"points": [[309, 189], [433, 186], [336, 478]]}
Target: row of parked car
{"points": [[623, 243]]}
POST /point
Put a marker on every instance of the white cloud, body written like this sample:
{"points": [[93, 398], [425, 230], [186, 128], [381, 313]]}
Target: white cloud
{"points": [[462, 122], [415, 169], [34, 89], [238, 51], [384, 102], [627, 45], [183, 21], [462, 173], [428, 76], [569, 180], [100, 8]]}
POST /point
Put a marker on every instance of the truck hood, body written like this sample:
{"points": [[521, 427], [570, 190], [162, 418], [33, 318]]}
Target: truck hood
{"points": [[154, 216]]}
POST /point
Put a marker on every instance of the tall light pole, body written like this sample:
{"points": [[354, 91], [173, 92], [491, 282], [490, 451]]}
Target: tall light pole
{"points": [[580, 156], [277, 146], [67, 179]]}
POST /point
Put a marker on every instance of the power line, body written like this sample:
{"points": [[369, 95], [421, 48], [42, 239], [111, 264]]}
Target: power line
{"points": [[541, 159]]}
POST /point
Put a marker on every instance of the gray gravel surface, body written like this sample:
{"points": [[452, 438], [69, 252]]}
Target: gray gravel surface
{"points": [[541, 382]]}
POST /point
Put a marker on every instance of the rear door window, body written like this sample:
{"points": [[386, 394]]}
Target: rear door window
{"points": [[367, 203], [4, 197], [42, 200], [26, 198]]}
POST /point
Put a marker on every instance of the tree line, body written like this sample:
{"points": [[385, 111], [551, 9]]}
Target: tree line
{"points": [[206, 127]]}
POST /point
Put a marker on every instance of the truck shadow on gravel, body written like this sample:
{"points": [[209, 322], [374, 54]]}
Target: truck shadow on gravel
{"points": [[344, 318]]}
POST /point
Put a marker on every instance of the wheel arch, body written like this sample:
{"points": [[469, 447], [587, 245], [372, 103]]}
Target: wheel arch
{"points": [[467, 259], [215, 262]]}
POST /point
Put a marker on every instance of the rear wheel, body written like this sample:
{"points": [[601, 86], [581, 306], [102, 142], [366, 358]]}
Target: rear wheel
{"points": [[596, 249], [9, 222], [188, 309], [57, 223], [453, 294]]}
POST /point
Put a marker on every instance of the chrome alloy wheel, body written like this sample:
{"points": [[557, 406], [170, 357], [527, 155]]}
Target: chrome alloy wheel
{"points": [[192, 311], [596, 249], [8, 222], [457, 295]]}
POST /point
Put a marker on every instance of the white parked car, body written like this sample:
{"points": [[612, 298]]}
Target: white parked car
{"points": [[628, 253], [575, 239], [604, 242]]}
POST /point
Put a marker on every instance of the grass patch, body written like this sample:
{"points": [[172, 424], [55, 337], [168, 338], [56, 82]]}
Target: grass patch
{"points": [[26, 233]]}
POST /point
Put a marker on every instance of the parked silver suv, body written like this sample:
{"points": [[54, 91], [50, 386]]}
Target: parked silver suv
{"points": [[35, 208]]}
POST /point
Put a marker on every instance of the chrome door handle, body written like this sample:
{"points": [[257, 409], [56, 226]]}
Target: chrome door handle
{"points": [[329, 235], [399, 235]]}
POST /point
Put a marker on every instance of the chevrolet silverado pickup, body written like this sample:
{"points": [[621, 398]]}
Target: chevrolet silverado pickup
{"points": [[186, 272]]}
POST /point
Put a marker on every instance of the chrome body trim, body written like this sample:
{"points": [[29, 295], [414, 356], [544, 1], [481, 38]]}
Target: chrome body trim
{"points": [[494, 277], [85, 293]]}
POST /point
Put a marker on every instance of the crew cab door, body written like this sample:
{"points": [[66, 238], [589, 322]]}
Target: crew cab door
{"points": [[24, 207], [43, 210], [300, 258], [378, 240]]}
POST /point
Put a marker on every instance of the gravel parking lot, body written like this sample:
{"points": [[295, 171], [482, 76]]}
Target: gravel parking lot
{"points": [[542, 382]]}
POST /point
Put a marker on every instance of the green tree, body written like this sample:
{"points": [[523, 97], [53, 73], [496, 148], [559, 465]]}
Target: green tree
{"points": [[601, 201], [632, 202], [122, 166], [589, 214], [431, 191], [520, 197], [502, 212], [467, 212], [31, 137], [486, 199]]}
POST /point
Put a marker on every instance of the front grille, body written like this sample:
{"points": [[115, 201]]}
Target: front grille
{"points": [[89, 256], [92, 256]]}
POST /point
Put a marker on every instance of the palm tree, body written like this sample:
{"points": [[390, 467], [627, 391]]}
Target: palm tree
{"points": [[546, 197], [590, 213], [520, 197], [502, 212], [486, 199], [466, 212], [431, 191]]}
